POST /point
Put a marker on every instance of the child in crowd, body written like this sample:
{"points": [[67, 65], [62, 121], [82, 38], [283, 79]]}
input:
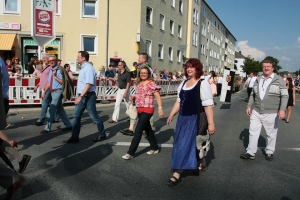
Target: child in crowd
{"points": [[8, 66], [38, 71], [18, 73]]}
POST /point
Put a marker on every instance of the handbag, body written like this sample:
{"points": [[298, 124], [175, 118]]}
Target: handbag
{"points": [[131, 111], [202, 122]]}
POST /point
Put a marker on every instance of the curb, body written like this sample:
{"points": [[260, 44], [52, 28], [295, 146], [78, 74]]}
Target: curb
{"points": [[67, 107]]}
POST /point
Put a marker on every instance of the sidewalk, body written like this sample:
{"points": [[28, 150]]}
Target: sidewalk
{"points": [[67, 107]]}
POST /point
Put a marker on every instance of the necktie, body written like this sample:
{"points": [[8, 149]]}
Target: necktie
{"points": [[51, 81]]}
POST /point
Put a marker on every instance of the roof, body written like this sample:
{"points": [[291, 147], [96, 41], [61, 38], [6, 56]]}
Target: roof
{"points": [[239, 55]]}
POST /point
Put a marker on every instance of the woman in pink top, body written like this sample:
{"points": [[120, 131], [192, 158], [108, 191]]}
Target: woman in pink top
{"points": [[146, 90]]}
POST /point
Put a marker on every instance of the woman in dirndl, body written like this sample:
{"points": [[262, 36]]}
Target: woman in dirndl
{"points": [[184, 154]]}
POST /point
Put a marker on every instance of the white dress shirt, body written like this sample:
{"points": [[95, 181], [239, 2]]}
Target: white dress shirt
{"points": [[263, 85]]}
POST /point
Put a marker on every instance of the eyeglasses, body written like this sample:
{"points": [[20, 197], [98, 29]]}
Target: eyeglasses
{"points": [[51, 60], [17, 59]]}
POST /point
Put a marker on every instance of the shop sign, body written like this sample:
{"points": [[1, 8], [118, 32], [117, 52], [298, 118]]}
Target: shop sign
{"points": [[31, 50], [10, 26], [32, 42]]}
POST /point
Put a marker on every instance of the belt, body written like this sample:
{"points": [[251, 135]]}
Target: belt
{"points": [[88, 93], [56, 90]]}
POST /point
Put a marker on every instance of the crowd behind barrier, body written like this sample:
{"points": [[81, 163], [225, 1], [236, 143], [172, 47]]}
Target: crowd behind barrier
{"points": [[21, 90]]}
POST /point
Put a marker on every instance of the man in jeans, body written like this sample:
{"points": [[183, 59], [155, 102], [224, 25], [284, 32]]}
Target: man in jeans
{"points": [[124, 80], [47, 98], [86, 87], [54, 85], [266, 106]]}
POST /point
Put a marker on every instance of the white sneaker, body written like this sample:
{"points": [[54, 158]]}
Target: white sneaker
{"points": [[153, 152], [127, 157]]}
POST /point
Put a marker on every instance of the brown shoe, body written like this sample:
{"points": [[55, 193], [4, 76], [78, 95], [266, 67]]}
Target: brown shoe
{"points": [[44, 131], [111, 121], [11, 190]]}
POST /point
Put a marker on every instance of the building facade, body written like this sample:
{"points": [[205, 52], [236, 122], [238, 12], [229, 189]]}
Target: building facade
{"points": [[239, 63], [113, 30]]}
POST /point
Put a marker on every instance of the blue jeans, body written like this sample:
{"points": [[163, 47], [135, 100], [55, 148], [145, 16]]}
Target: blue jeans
{"points": [[56, 105], [143, 125], [45, 103], [87, 102]]}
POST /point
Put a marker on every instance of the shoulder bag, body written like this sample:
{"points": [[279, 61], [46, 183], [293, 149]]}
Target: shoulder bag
{"points": [[131, 111]]}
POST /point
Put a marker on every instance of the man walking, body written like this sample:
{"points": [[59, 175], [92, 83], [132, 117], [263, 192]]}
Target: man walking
{"points": [[249, 83], [5, 88], [268, 100], [54, 86], [47, 98], [86, 87], [123, 80]]}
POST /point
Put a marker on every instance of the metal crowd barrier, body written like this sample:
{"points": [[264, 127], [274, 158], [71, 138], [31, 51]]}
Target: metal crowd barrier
{"points": [[21, 90]]}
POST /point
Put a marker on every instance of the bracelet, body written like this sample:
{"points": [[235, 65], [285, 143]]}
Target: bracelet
{"points": [[160, 108]]}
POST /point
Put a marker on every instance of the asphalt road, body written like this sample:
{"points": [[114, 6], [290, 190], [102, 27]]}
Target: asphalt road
{"points": [[90, 170]]}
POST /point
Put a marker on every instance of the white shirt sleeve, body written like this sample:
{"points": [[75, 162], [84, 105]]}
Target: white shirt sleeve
{"points": [[206, 94], [178, 91]]}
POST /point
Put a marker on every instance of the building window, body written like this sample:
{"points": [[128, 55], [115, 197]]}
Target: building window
{"points": [[89, 8], [161, 22], [172, 2], [179, 56], [89, 43], [195, 39], [161, 51], [179, 31], [11, 6], [195, 16], [171, 27], [204, 12], [149, 16], [181, 7], [170, 53], [148, 47]]}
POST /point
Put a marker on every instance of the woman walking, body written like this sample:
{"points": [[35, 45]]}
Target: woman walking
{"points": [[292, 98], [184, 148], [146, 90]]}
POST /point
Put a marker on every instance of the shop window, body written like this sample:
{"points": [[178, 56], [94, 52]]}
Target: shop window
{"points": [[11, 6], [90, 8], [89, 43]]}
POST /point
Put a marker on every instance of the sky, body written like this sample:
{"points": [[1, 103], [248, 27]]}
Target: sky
{"points": [[263, 28]]}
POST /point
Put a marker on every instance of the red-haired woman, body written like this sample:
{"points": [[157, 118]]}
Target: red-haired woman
{"points": [[184, 148]]}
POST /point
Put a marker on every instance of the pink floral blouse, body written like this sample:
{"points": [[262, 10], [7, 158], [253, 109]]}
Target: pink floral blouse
{"points": [[145, 94]]}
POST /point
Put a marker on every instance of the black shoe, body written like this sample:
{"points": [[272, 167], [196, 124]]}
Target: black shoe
{"points": [[71, 140], [24, 162], [99, 139], [269, 157], [37, 123], [127, 132], [54, 121], [67, 129], [173, 183], [247, 156]]}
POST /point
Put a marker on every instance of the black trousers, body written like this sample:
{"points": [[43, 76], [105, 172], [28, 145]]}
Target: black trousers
{"points": [[143, 124], [6, 105], [249, 90]]}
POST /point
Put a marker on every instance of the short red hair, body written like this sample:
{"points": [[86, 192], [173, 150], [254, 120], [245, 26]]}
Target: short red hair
{"points": [[194, 63]]}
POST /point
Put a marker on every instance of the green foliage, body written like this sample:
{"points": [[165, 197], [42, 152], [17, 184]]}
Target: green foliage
{"points": [[251, 65], [275, 62], [297, 72]]}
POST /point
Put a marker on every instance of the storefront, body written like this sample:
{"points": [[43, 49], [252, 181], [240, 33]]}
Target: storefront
{"points": [[30, 50], [8, 44]]}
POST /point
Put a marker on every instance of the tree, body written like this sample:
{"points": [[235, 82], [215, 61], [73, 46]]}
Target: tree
{"points": [[275, 62], [251, 65]]}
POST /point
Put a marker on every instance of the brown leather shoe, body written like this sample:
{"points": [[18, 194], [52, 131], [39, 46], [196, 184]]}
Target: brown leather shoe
{"points": [[111, 121], [44, 131], [11, 190]]}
